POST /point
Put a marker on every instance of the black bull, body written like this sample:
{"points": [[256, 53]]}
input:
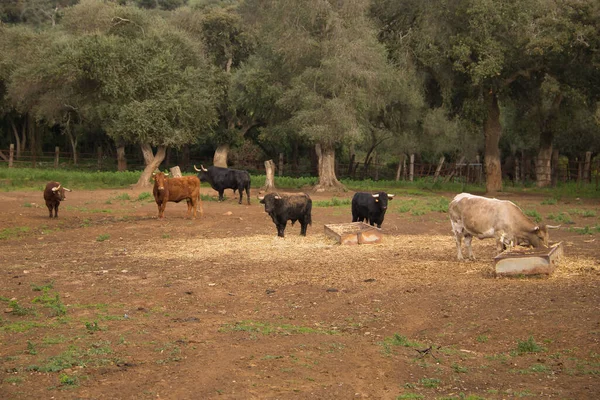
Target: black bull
{"points": [[288, 207], [226, 178], [371, 207]]}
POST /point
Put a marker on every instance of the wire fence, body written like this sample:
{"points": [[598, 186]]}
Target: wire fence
{"points": [[565, 170]]}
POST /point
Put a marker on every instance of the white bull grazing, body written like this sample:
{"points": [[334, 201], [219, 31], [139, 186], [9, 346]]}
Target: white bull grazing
{"points": [[484, 218]]}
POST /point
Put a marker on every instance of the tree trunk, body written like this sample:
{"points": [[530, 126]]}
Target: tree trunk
{"points": [[270, 176], [587, 167], [121, 160], [492, 131], [555, 171], [73, 140], [220, 157], [327, 178], [439, 169], [543, 164], [152, 163], [17, 138]]}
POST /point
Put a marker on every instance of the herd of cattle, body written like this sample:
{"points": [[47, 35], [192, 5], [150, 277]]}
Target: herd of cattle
{"points": [[470, 215]]}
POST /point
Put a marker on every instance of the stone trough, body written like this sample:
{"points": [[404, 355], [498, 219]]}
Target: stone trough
{"points": [[354, 233], [523, 261]]}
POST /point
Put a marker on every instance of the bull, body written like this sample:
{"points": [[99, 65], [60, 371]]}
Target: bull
{"points": [[226, 178], [288, 207], [54, 193], [176, 189], [371, 207], [485, 218]]}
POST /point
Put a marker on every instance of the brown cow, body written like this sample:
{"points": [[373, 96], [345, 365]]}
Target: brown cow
{"points": [[484, 218], [54, 194], [177, 189]]}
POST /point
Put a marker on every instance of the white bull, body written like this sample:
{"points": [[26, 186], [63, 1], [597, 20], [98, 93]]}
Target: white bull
{"points": [[484, 218]]}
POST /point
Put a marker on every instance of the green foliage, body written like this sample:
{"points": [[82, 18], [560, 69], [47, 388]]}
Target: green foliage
{"points": [[103, 237], [533, 214], [550, 201], [587, 230], [529, 346], [31, 348], [144, 196], [10, 233], [123, 197], [92, 326], [51, 301], [407, 396], [562, 218], [19, 310], [334, 202], [398, 341], [266, 328], [66, 380], [40, 288], [430, 382]]}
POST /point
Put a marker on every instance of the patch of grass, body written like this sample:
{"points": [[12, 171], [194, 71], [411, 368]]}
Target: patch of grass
{"points": [[13, 380], [410, 396], [561, 218], [549, 202], [54, 340], [67, 359], [482, 338], [207, 197], [583, 213], [19, 310], [123, 197], [431, 383], [459, 369], [21, 326], [40, 288], [587, 230], [27, 205], [92, 326], [145, 196], [66, 380], [10, 233], [529, 346], [51, 301], [266, 328], [397, 341], [166, 236], [533, 214], [103, 237], [31, 348], [334, 202]]}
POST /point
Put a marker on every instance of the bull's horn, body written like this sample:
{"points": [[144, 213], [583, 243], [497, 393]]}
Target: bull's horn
{"points": [[553, 226], [261, 197], [199, 170], [203, 169], [54, 189], [278, 197], [68, 190], [166, 174], [376, 195], [391, 196]]}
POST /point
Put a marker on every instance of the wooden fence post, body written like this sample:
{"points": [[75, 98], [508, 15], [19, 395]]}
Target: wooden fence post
{"points": [[56, 156], [411, 173], [11, 154]]}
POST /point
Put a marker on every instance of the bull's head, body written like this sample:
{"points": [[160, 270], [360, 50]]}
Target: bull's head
{"points": [[160, 179], [270, 201], [382, 198], [540, 236], [59, 191]]}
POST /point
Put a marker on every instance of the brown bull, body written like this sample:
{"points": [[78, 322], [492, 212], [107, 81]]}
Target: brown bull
{"points": [[53, 195], [177, 189], [484, 218]]}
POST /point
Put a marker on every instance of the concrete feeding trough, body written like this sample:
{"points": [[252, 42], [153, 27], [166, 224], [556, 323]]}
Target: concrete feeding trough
{"points": [[528, 262], [354, 233]]}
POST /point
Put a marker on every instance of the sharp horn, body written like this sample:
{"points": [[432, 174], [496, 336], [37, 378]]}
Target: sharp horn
{"points": [[261, 197], [391, 196], [376, 195], [199, 170], [553, 226], [278, 197], [68, 190], [54, 189], [203, 169]]}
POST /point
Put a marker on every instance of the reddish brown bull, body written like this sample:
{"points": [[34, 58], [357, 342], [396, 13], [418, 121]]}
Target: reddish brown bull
{"points": [[177, 189], [54, 194]]}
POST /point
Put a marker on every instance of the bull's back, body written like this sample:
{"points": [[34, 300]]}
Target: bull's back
{"points": [[297, 206], [479, 215]]}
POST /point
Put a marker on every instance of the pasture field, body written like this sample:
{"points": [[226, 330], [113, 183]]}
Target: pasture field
{"points": [[108, 302]]}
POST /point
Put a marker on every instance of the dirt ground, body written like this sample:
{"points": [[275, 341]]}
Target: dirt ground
{"points": [[108, 302]]}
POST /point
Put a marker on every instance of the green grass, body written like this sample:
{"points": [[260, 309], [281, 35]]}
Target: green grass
{"points": [[586, 230], [145, 196], [398, 341], [10, 233], [533, 214], [431, 383], [266, 328], [561, 218], [549, 202], [334, 202], [123, 197], [103, 237], [17, 309], [409, 396], [529, 346]]}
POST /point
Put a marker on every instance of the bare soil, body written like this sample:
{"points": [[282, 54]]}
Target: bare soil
{"points": [[109, 302]]}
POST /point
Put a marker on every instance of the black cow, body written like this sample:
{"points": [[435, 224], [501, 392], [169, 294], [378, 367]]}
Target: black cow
{"points": [[371, 207], [54, 194], [226, 178], [288, 207]]}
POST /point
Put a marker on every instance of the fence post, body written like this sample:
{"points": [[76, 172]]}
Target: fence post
{"points": [[411, 173], [438, 169], [99, 157], [587, 166], [56, 156], [11, 154]]}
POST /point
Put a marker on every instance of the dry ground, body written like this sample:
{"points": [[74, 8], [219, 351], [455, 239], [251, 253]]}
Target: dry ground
{"points": [[108, 302]]}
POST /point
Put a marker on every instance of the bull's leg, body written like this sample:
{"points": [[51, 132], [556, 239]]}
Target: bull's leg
{"points": [[50, 209], [303, 226], [458, 238], [190, 205], [280, 229], [221, 194], [248, 194], [161, 209], [241, 190], [201, 207], [56, 210], [468, 239]]}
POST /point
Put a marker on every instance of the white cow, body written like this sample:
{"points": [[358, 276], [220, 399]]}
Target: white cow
{"points": [[484, 218]]}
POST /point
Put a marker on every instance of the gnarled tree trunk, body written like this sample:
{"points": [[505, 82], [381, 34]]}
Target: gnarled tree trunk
{"points": [[152, 162], [492, 130], [220, 157], [121, 160], [327, 178], [270, 176]]}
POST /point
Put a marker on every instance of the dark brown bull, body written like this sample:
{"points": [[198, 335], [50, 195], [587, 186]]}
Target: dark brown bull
{"points": [[54, 194], [177, 189]]}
